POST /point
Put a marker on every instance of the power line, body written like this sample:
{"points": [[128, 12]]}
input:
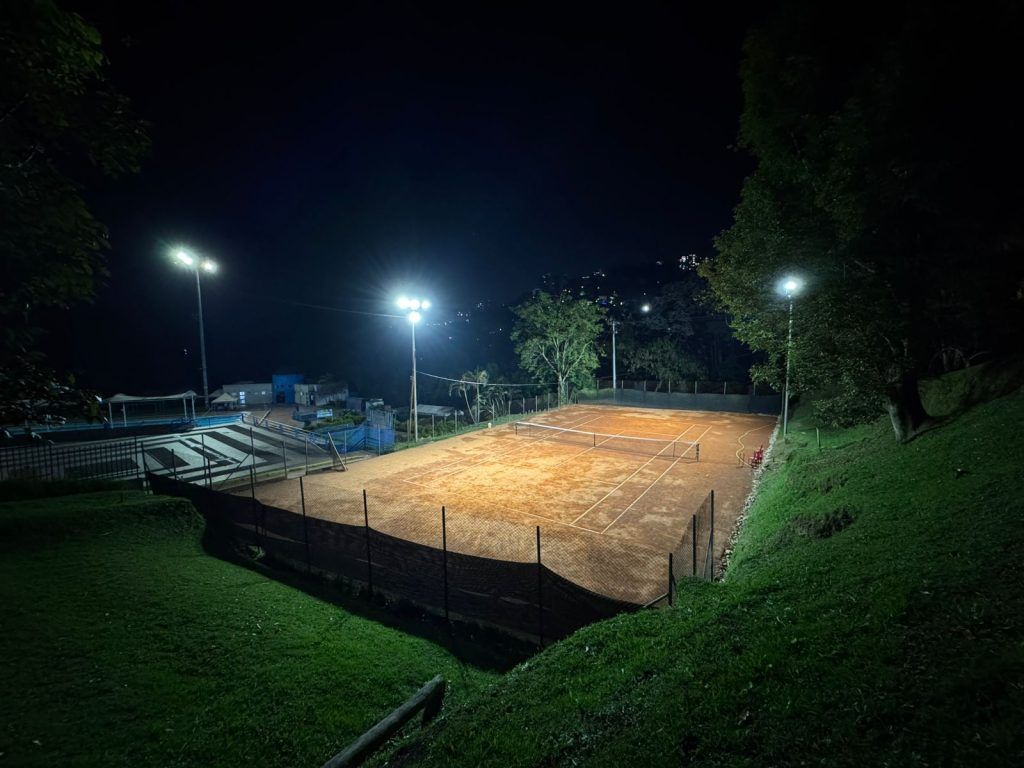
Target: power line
{"points": [[483, 383], [320, 306]]}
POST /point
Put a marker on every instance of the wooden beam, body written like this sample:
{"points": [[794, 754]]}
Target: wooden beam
{"points": [[429, 698]]}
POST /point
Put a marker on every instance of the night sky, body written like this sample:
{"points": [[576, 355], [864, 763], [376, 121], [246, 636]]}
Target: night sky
{"points": [[338, 158]]}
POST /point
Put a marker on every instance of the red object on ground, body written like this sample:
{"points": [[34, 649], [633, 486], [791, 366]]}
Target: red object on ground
{"points": [[757, 458]]}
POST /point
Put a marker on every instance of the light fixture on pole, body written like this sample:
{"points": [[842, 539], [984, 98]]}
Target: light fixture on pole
{"points": [[210, 267], [645, 308], [414, 306], [790, 286]]}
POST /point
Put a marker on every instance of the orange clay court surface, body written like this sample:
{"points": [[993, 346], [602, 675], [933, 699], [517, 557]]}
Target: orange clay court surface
{"points": [[609, 513]]}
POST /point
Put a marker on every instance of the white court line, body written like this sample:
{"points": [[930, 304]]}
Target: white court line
{"points": [[654, 483], [589, 449], [613, 490], [468, 458], [513, 510], [492, 457]]}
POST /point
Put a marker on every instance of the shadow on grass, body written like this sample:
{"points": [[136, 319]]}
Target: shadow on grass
{"points": [[471, 644]]}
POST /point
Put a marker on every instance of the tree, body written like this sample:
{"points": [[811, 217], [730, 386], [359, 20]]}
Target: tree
{"points": [[664, 360], [471, 380], [557, 337], [888, 167], [60, 125]]}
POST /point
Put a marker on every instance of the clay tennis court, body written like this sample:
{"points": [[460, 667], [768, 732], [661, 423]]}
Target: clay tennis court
{"points": [[612, 496]]}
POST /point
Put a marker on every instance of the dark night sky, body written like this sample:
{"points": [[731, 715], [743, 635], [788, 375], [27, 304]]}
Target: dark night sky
{"points": [[335, 158]]}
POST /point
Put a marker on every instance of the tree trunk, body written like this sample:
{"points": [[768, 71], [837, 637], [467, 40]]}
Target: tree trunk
{"points": [[906, 411]]}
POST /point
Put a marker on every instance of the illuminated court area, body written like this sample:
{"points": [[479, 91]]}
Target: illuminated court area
{"points": [[610, 487]]}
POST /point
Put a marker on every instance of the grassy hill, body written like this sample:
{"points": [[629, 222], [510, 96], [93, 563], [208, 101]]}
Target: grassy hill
{"points": [[873, 614], [123, 643]]}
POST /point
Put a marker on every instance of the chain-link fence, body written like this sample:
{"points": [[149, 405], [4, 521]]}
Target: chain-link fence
{"points": [[734, 397], [454, 562]]}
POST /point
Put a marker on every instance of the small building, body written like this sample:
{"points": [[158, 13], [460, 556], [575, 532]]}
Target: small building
{"points": [[251, 393], [284, 387], [320, 394]]}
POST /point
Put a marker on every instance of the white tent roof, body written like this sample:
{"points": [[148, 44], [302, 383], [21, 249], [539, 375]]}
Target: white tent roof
{"points": [[436, 410], [225, 398], [122, 398]]}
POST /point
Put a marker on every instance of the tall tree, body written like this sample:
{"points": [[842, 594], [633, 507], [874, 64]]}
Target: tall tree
{"points": [[663, 359], [888, 169], [61, 126], [557, 337]]}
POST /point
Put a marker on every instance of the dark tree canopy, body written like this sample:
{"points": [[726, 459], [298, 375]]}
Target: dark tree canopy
{"points": [[889, 161], [61, 128], [556, 340]]}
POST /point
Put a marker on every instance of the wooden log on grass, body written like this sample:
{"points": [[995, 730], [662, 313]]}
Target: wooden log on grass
{"points": [[428, 698]]}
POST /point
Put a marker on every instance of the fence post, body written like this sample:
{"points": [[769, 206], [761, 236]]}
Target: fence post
{"points": [[284, 458], [369, 561], [206, 461], [693, 542], [378, 440], [252, 481], [672, 581], [711, 539], [444, 560], [695, 386], [540, 594], [174, 464], [307, 456], [305, 532]]}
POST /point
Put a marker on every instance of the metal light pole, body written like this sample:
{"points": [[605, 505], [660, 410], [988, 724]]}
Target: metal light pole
{"points": [[414, 316], [196, 265], [415, 402], [202, 343], [615, 378], [790, 286]]}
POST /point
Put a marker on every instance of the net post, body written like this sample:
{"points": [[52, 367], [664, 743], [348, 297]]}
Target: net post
{"points": [[252, 481], [444, 562], [671, 580], [305, 531], [540, 594], [174, 465], [698, 450], [366, 527]]}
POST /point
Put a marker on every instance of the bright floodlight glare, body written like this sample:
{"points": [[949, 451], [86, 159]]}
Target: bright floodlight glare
{"points": [[414, 303], [425, 304], [403, 302], [645, 308], [789, 286], [209, 266], [414, 317], [182, 256]]}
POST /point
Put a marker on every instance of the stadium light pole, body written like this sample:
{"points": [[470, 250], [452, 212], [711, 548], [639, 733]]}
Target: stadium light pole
{"points": [[199, 265], [645, 308], [414, 306], [790, 287]]}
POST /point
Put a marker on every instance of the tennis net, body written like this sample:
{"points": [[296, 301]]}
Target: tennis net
{"points": [[645, 446]]}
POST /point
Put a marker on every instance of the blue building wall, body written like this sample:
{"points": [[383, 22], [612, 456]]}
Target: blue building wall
{"points": [[284, 386]]}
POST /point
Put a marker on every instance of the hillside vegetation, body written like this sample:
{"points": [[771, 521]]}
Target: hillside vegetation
{"points": [[872, 615], [123, 643]]}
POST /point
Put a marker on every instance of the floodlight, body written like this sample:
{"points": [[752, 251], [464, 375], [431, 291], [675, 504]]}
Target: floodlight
{"points": [[425, 304], [403, 302], [414, 317], [645, 308], [414, 304], [184, 257], [790, 286], [209, 266]]}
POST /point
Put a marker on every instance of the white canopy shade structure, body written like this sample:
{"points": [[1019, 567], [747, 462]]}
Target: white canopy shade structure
{"points": [[123, 400], [225, 399]]}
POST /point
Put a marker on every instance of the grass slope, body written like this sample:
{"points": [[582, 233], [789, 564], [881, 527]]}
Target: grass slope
{"points": [[122, 643], [872, 615]]}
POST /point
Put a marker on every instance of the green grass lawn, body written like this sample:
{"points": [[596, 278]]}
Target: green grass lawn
{"points": [[873, 614], [123, 643]]}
